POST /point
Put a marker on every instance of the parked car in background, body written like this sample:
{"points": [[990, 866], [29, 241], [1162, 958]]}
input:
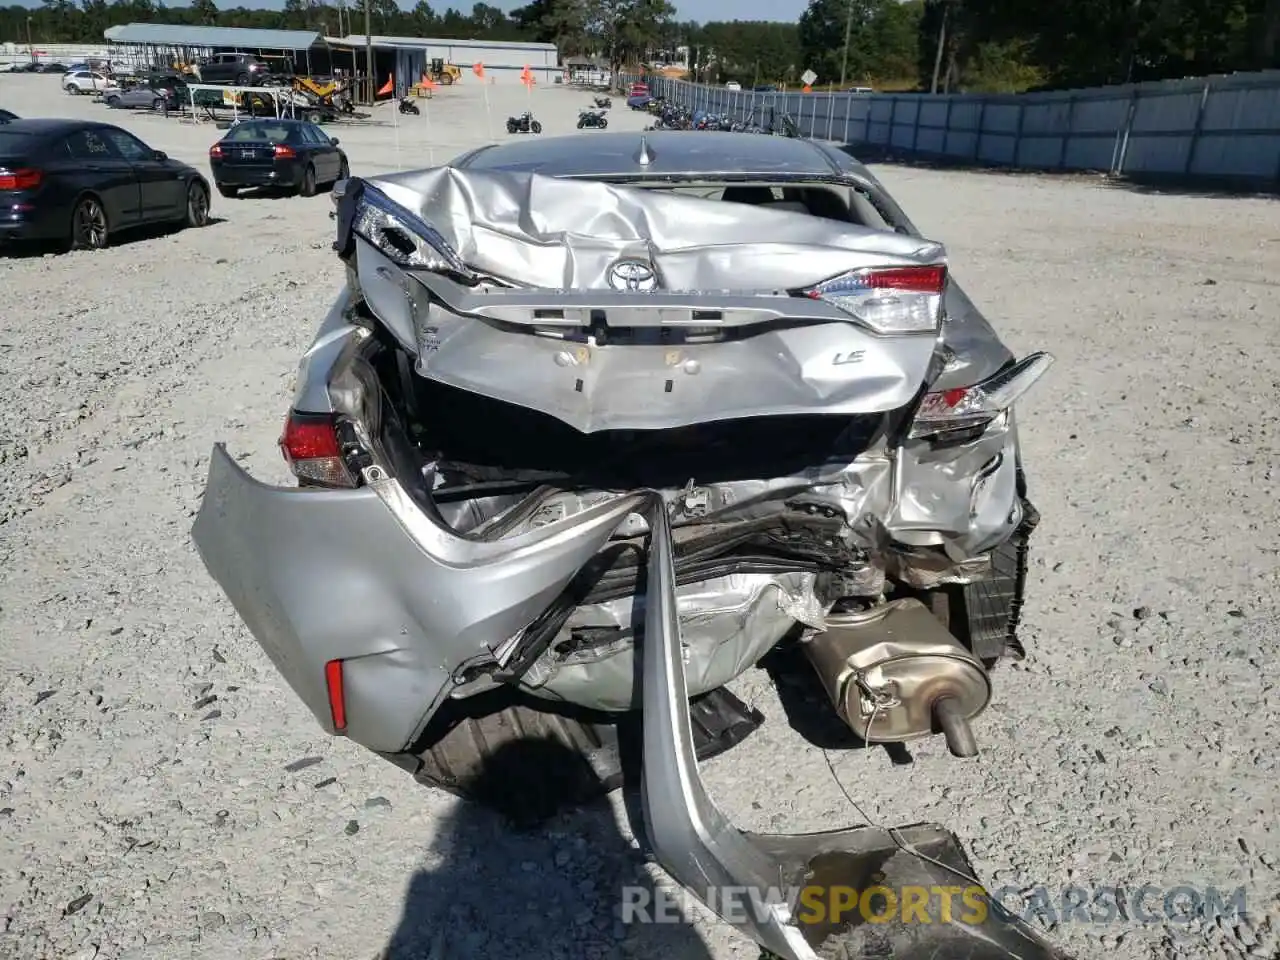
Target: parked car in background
{"points": [[145, 98], [52, 67], [239, 69], [80, 182], [733, 85], [88, 81], [287, 154]]}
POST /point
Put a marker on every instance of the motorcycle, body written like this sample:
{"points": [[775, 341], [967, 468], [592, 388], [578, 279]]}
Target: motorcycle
{"points": [[523, 124], [592, 118], [604, 103], [408, 106]]}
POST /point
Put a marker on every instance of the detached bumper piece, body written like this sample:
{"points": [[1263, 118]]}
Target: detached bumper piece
{"points": [[797, 895]]}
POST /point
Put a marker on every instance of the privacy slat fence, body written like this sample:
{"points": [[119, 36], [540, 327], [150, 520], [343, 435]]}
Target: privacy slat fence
{"points": [[1209, 127]]}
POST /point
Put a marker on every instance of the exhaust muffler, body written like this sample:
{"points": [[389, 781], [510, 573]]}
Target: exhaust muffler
{"points": [[895, 673]]}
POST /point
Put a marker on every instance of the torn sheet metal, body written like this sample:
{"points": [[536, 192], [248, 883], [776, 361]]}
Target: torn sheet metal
{"points": [[727, 624], [568, 234]]}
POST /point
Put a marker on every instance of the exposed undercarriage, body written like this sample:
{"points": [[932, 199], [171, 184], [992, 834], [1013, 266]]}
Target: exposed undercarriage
{"points": [[772, 545]]}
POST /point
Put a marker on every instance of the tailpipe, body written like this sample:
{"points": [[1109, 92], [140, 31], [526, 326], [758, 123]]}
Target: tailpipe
{"points": [[895, 673]]}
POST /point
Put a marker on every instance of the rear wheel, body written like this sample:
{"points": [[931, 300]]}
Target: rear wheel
{"points": [[157, 104], [197, 205], [113, 102], [536, 127], [603, 123], [561, 756], [308, 188], [89, 225], [242, 80], [229, 192]]}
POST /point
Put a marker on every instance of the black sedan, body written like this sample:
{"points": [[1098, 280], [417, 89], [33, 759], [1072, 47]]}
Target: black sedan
{"points": [[288, 154], [79, 182]]}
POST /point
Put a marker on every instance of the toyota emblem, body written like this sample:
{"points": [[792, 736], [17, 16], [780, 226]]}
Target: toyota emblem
{"points": [[632, 275]]}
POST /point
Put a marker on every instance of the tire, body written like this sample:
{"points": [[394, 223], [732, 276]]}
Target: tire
{"points": [[536, 127], [344, 170], [511, 128], [157, 104], [89, 228], [603, 123], [229, 192], [242, 80], [562, 756], [197, 206], [581, 124], [312, 116], [113, 102], [308, 186], [447, 79]]}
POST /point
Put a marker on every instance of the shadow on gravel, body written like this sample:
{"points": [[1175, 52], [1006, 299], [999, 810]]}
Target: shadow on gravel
{"points": [[530, 879], [126, 238], [1150, 184]]}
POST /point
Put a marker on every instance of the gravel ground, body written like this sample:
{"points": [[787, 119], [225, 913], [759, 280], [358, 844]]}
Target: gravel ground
{"points": [[163, 795]]}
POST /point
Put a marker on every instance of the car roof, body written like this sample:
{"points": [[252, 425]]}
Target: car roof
{"points": [[51, 126], [680, 153]]}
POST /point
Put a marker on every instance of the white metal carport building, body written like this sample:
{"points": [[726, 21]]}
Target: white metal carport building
{"points": [[503, 61], [161, 44]]}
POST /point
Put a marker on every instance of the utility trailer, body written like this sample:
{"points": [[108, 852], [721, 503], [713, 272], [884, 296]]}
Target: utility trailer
{"points": [[267, 101]]}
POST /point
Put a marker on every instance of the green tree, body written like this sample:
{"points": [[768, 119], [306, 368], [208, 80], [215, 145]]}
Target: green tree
{"points": [[204, 11], [880, 41]]}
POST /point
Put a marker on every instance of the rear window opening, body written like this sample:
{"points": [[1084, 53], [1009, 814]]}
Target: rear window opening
{"points": [[828, 201], [258, 132]]}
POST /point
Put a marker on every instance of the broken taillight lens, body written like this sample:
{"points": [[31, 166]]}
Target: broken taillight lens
{"points": [[311, 448], [972, 408], [216, 151], [888, 300]]}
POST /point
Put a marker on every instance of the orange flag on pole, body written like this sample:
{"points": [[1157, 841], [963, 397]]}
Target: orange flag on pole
{"points": [[389, 86], [478, 70]]}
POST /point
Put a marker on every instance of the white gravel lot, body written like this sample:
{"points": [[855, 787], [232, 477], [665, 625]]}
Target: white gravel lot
{"points": [[154, 799]]}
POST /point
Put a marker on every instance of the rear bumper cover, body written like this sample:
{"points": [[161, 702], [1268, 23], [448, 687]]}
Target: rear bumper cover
{"points": [[783, 890]]}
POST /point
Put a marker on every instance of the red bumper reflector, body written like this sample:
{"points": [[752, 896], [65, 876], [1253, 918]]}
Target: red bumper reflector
{"points": [[337, 699]]}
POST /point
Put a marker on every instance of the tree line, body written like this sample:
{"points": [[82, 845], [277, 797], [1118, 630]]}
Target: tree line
{"points": [[948, 45]]}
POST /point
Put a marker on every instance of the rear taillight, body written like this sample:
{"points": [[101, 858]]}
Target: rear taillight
{"points": [[337, 695], [888, 300], [216, 151], [21, 179], [283, 151], [311, 448], [968, 410]]}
